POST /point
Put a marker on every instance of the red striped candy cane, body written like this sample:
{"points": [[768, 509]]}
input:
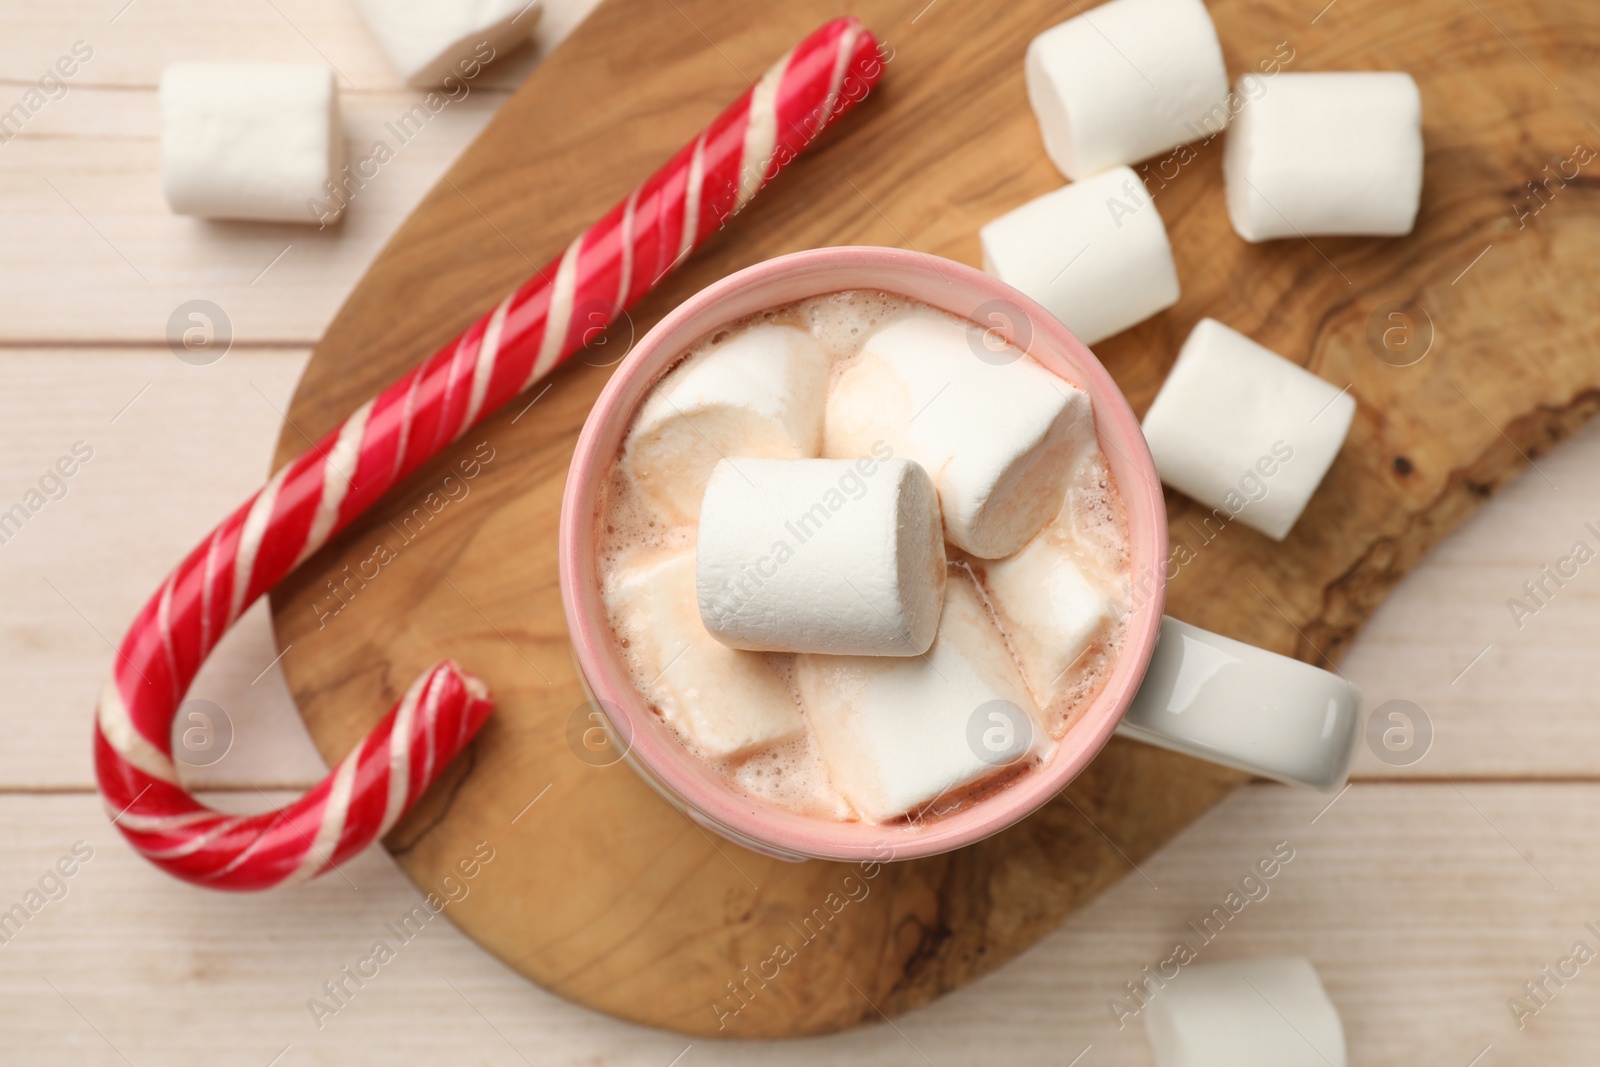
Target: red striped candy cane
{"points": [[526, 336]]}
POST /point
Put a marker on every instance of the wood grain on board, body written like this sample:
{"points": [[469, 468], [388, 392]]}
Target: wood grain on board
{"points": [[619, 902]]}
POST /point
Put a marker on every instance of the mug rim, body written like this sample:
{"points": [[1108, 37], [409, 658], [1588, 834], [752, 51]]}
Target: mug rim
{"points": [[650, 744]]}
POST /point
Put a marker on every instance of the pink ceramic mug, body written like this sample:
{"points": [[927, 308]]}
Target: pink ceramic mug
{"points": [[1173, 684]]}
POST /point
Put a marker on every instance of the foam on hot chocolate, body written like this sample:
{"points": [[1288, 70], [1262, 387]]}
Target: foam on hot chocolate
{"points": [[636, 528]]}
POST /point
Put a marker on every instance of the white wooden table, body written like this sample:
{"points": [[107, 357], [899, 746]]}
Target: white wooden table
{"points": [[1427, 894]]}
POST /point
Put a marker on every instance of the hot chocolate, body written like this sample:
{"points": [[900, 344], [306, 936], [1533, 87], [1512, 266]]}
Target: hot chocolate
{"points": [[1028, 603]]}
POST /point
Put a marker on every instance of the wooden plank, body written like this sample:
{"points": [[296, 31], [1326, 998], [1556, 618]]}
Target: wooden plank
{"points": [[1502, 698], [1419, 948], [174, 447], [85, 214], [132, 42], [196, 443], [80, 184]]}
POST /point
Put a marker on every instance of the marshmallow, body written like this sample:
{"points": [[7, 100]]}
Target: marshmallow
{"points": [[429, 40], [1094, 253], [1049, 608], [1251, 1013], [1125, 81], [997, 432], [249, 140], [722, 701], [899, 733], [1238, 427], [837, 556], [758, 393], [1326, 154]]}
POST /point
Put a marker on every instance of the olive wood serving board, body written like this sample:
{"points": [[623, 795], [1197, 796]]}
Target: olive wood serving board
{"points": [[602, 892]]}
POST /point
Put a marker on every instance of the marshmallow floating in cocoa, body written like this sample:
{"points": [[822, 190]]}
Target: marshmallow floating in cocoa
{"points": [[899, 733], [1049, 607], [430, 41], [1095, 253], [724, 701], [997, 432], [759, 393], [249, 140], [1326, 153], [1125, 81], [1243, 430], [1245, 1013], [841, 556]]}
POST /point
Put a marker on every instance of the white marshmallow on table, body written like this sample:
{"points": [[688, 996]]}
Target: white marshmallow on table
{"points": [[429, 40], [1326, 153], [1051, 610], [1250, 1013], [842, 556], [759, 393], [249, 140], [898, 733], [725, 702], [1126, 80], [1238, 427], [1094, 253], [998, 433]]}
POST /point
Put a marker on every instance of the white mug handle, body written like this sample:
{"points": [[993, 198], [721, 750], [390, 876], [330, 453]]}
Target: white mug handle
{"points": [[1222, 700]]}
